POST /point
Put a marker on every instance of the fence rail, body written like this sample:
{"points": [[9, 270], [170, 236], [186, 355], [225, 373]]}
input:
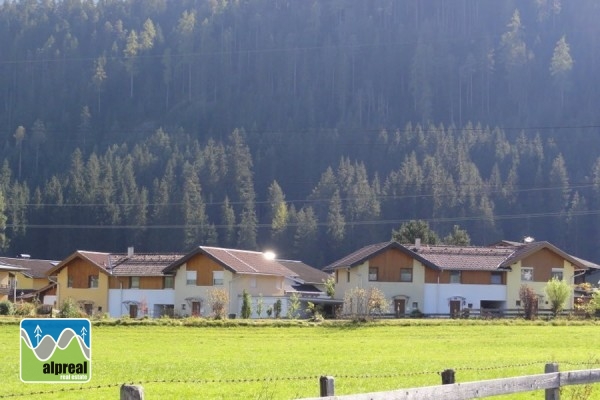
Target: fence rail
{"points": [[551, 381]]}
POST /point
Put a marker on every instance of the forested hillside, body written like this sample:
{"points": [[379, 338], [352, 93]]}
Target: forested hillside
{"points": [[311, 126]]}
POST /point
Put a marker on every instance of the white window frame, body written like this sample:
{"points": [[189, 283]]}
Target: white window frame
{"points": [[171, 279], [373, 274], [453, 276], [93, 281], [135, 279], [496, 276], [558, 271], [526, 274], [218, 278], [191, 277], [406, 271]]}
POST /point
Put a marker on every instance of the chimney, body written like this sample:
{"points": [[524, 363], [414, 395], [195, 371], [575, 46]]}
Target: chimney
{"points": [[417, 243], [130, 251]]}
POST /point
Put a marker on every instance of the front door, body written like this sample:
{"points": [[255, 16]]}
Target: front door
{"points": [[195, 308], [133, 310], [88, 308], [400, 307], [454, 308]]}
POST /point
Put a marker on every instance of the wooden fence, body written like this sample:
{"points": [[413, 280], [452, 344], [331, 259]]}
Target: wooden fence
{"points": [[551, 381]]}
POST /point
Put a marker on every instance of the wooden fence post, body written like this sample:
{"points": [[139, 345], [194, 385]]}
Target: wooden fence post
{"points": [[552, 394], [132, 392], [448, 377], [327, 386]]}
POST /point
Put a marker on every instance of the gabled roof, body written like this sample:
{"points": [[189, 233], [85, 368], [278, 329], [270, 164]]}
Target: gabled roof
{"points": [[465, 258], [143, 264], [488, 258], [122, 264], [34, 268], [363, 254], [100, 260], [237, 261], [304, 272], [527, 249]]}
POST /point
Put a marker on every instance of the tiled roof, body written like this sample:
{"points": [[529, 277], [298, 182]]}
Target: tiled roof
{"points": [[35, 268], [142, 264], [530, 248], [358, 257], [305, 272], [238, 261], [465, 258]]}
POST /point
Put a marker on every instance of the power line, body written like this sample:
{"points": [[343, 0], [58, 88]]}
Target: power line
{"points": [[347, 223]]}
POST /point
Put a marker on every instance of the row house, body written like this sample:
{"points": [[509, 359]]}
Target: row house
{"points": [[180, 284], [448, 279]]}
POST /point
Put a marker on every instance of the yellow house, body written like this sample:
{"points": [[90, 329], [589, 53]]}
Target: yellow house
{"points": [[449, 280], [534, 264], [8, 281], [32, 278], [117, 284], [83, 276]]}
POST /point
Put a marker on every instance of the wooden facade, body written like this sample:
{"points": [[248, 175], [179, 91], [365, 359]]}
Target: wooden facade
{"points": [[389, 265], [146, 282], [79, 272], [542, 263], [204, 267]]}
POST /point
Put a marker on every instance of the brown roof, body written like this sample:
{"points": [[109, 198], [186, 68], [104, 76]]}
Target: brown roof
{"points": [[123, 264], [530, 248], [143, 264], [361, 255], [465, 258], [475, 258], [35, 268], [305, 272], [238, 261], [101, 260]]}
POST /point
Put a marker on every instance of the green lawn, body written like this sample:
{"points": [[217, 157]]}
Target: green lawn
{"points": [[285, 362]]}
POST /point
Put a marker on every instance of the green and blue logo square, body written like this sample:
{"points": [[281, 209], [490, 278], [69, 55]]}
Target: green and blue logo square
{"points": [[56, 350]]}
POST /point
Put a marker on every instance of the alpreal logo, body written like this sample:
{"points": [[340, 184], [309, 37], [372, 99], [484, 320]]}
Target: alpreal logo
{"points": [[56, 350]]}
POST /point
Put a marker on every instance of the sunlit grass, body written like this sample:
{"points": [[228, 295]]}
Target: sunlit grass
{"points": [[263, 362]]}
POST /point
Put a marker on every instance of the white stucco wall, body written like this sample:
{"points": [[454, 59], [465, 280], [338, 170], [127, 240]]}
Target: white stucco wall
{"points": [[437, 296], [116, 297]]}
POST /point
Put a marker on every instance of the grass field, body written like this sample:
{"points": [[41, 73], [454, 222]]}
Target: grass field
{"points": [[247, 362]]}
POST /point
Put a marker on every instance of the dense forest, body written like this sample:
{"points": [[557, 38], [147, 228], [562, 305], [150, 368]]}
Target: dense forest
{"points": [[311, 127]]}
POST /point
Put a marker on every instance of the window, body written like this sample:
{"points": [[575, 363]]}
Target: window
{"points": [[190, 278], [348, 275], [93, 281], [252, 282], [217, 278], [135, 282], [415, 305], [373, 273], [454, 276], [169, 282], [406, 275], [70, 281], [337, 275], [526, 274], [557, 273], [496, 278]]}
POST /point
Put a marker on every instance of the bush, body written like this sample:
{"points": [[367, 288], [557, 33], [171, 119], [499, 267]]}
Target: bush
{"points": [[246, 305], [25, 309], [6, 308], [69, 309]]}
